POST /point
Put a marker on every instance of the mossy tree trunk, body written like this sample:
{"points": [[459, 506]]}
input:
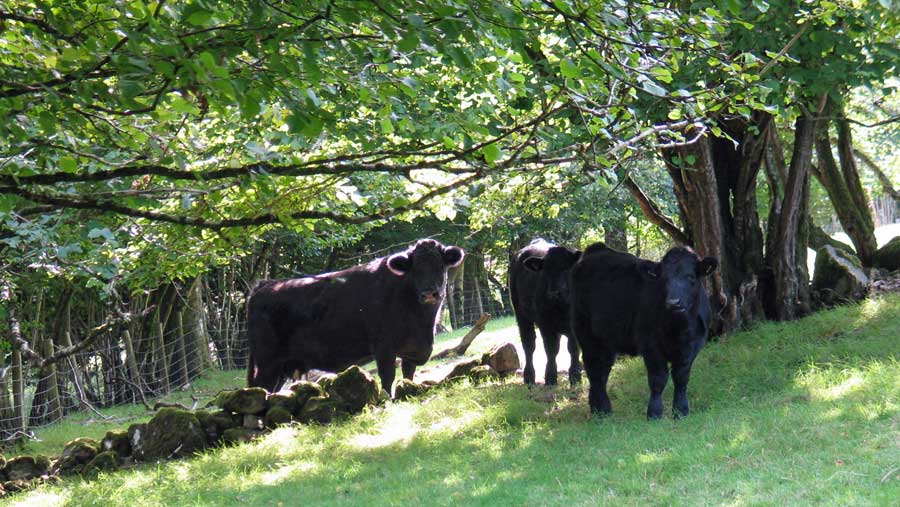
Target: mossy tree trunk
{"points": [[715, 185], [842, 183], [789, 295]]}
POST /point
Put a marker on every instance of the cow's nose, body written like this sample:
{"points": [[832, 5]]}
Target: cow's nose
{"points": [[429, 296]]}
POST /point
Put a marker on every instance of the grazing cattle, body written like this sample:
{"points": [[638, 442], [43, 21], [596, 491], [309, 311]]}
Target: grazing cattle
{"points": [[539, 291], [658, 310], [384, 309]]}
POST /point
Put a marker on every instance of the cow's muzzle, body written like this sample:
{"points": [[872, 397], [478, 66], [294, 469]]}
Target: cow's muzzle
{"points": [[430, 297]]}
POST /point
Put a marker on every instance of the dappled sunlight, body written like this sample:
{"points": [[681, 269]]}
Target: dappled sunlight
{"points": [[851, 384], [398, 427], [653, 457], [282, 441], [285, 472], [44, 498]]}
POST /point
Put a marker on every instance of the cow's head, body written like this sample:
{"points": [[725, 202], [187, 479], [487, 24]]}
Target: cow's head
{"points": [[425, 265], [680, 272], [554, 269]]}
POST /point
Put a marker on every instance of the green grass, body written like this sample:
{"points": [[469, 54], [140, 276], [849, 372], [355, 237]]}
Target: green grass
{"points": [[802, 413]]}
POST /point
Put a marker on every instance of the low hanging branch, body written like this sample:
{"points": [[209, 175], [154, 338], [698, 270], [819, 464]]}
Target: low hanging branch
{"points": [[882, 178], [467, 340], [653, 213]]}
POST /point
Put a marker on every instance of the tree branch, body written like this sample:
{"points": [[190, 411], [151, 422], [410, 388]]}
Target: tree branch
{"points": [[653, 213], [263, 219], [882, 178]]}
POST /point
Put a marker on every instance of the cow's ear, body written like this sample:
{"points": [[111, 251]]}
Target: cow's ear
{"points": [[707, 266], [399, 264], [534, 263], [453, 256], [650, 269]]}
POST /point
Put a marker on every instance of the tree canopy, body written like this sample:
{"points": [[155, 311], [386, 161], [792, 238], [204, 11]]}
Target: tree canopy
{"points": [[148, 140]]}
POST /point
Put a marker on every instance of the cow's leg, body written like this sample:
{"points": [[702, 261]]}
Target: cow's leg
{"points": [[387, 369], [551, 349], [409, 369], [681, 374], [657, 377], [575, 367], [597, 364], [526, 331]]}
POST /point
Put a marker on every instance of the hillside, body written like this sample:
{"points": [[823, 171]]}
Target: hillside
{"points": [[800, 413]]}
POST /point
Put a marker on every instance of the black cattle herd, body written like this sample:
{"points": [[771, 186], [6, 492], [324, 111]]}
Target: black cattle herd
{"points": [[604, 301]]}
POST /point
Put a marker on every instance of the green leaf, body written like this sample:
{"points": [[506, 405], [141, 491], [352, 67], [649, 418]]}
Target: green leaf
{"points": [[662, 74], [491, 153], [569, 69], [180, 105], [200, 17], [409, 42], [653, 88], [386, 126], [68, 165]]}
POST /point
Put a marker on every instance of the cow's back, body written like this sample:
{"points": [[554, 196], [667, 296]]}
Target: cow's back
{"points": [[611, 294]]}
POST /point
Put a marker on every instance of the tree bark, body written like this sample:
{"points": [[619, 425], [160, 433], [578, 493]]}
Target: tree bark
{"points": [[790, 281], [844, 188], [694, 177]]}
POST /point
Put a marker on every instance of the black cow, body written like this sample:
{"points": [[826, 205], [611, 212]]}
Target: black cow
{"points": [[623, 304], [384, 309], [539, 291]]}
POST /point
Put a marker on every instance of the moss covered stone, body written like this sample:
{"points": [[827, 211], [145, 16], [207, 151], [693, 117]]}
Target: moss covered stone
{"points": [[462, 369], [276, 416], [76, 454], [839, 276], [116, 441], [287, 401], [304, 390], [105, 461], [26, 468], [353, 389], [888, 256], [483, 373], [216, 423], [171, 433], [325, 380], [239, 435], [318, 409], [405, 389], [136, 434], [250, 400]]}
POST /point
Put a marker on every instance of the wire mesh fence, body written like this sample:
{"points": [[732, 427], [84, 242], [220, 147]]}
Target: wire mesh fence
{"points": [[121, 369]]}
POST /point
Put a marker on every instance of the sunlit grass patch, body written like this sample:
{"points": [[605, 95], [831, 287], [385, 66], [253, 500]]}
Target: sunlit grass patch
{"points": [[799, 413]]}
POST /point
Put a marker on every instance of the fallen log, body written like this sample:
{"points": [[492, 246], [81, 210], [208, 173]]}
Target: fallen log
{"points": [[467, 340]]}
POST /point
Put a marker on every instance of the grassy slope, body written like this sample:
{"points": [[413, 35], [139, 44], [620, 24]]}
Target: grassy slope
{"points": [[803, 413]]}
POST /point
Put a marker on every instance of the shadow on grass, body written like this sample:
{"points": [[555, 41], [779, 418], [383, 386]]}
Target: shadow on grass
{"points": [[797, 413]]}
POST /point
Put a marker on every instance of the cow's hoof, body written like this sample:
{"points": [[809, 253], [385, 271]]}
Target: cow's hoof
{"points": [[678, 414]]}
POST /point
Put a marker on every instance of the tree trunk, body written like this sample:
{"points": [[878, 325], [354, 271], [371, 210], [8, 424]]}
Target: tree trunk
{"points": [[715, 185], [844, 188], [787, 258]]}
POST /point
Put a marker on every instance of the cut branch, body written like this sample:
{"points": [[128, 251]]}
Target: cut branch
{"points": [[467, 340]]}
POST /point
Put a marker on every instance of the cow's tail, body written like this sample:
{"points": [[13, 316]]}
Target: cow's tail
{"points": [[251, 370]]}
